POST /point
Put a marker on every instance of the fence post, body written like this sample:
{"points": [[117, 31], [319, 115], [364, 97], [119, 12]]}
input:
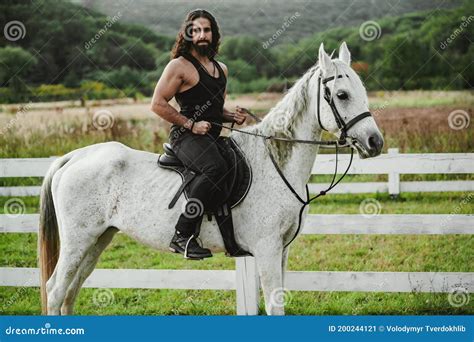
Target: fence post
{"points": [[393, 177], [247, 286]]}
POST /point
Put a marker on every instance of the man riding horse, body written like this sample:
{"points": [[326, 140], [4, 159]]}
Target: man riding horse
{"points": [[198, 83]]}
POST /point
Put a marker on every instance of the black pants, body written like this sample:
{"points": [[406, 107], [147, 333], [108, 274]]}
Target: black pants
{"points": [[209, 189]]}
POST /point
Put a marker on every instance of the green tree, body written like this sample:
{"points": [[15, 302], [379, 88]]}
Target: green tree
{"points": [[15, 62]]}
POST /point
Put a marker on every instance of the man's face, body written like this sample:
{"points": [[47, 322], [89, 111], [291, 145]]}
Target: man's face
{"points": [[202, 35]]}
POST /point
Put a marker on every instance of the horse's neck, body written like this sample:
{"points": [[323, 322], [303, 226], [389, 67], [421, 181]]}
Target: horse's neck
{"points": [[300, 161]]}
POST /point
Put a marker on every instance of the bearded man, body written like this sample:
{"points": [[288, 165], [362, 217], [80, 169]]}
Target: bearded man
{"points": [[198, 83]]}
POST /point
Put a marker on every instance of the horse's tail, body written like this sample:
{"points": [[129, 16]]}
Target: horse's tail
{"points": [[48, 239]]}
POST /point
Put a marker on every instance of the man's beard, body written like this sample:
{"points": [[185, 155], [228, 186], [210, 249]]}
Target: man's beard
{"points": [[203, 49]]}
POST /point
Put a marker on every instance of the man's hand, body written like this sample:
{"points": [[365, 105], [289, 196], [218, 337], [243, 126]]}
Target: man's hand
{"points": [[201, 127], [240, 115]]}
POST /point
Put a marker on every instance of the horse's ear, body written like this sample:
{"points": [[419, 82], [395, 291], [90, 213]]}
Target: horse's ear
{"points": [[344, 54], [324, 59]]}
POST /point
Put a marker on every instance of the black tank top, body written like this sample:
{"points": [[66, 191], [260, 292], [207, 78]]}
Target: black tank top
{"points": [[204, 101]]}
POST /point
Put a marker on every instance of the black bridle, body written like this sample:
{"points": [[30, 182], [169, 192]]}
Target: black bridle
{"points": [[343, 126]]}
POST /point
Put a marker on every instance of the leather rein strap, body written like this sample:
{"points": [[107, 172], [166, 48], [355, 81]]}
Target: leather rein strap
{"points": [[342, 142], [308, 199], [343, 126]]}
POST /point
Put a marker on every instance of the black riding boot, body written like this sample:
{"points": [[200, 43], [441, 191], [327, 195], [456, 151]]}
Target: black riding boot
{"points": [[224, 220], [188, 246]]}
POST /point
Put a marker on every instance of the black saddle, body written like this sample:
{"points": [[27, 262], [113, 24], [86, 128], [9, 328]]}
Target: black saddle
{"points": [[239, 181], [169, 159]]}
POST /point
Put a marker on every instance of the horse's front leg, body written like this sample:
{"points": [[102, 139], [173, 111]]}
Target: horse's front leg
{"points": [[284, 263], [269, 262]]}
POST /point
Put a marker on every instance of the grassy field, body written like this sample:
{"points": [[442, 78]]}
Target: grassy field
{"points": [[43, 130], [414, 122], [394, 253]]}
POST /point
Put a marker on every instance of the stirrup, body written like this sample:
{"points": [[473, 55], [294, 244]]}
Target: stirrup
{"points": [[186, 248]]}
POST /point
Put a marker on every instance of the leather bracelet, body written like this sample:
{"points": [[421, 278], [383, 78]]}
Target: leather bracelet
{"points": [[192, 125]]}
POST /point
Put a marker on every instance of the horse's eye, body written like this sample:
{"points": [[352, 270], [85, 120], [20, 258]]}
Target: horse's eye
{"points": [[342, 95]]}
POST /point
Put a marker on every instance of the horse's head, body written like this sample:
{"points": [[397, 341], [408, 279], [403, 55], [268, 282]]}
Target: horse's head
{"points": [[343, 104]]}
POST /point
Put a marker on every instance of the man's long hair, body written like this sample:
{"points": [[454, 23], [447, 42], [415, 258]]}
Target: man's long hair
{"points": [[183, 43]]}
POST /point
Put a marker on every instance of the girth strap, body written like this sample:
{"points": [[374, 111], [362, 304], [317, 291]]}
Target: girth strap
{"points": [[187, 179]]}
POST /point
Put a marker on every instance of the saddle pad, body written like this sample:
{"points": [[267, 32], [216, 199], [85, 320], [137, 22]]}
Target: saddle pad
{"points": [[240, 178]]}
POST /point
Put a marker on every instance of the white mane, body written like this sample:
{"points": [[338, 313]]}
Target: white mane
{"points": [[283, 119]]}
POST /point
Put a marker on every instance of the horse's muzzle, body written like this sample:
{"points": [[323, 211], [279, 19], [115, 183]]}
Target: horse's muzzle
{"points": [[370, 147]]}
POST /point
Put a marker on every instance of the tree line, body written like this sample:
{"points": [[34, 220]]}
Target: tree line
{"points": [[66, 51]]}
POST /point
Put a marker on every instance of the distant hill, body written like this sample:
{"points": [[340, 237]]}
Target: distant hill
{"points": [[70, 43], [261, 19], [71, 51]]}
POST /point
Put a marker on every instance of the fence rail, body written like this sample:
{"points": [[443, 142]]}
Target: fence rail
{"points": [[324, 224], [244, 279], [392, 164], [440, 282]]}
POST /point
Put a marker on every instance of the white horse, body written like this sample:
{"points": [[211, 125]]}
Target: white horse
{"points": [[92, 192]]}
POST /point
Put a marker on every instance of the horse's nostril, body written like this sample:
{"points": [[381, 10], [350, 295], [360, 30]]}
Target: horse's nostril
{"points": [[372, 142], [375, 143]]}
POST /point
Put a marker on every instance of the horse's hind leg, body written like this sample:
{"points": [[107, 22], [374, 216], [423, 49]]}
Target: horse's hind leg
{"points": [[85, 269], [71, 254]]}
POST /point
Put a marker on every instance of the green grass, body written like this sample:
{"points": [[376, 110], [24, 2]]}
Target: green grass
{"points": [[415, 253], [404, 253]]}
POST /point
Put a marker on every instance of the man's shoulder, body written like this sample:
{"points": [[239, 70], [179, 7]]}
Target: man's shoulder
{"points": [[179, 65], [179, 62], [223, 66]]}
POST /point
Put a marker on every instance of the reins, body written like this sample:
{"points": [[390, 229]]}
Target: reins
{"points": [[342, 142], [282, 176]]}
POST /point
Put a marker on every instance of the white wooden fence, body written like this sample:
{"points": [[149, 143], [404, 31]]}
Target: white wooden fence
{"points": [[245, 279]]}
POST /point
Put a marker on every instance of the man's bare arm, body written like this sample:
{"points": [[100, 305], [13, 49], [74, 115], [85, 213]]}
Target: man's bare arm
{"points": [[228, 115], [168, 85]]}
